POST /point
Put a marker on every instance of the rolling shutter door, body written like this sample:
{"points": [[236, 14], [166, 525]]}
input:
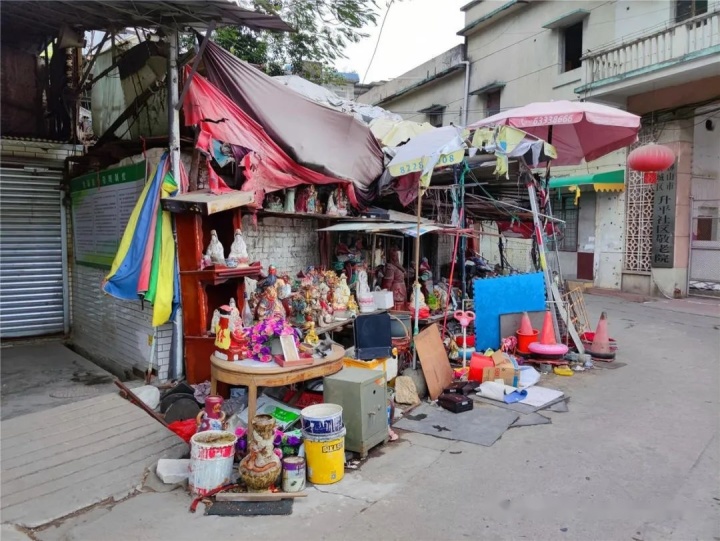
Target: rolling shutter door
{"points": [[31, 252]]}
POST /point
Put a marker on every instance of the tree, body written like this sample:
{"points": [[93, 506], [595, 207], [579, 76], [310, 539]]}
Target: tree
{"points": [[324, 28]]}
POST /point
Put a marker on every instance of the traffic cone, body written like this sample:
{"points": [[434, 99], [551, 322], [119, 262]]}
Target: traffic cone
{"points": [[525, 325], [601, 340], [547, 335]]}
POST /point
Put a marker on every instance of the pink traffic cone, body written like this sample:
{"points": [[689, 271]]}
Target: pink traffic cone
{"points": [[601, 340], [525, 325], [547, 335]]}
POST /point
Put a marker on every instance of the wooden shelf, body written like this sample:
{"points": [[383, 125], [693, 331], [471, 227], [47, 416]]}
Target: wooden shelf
{"points": [[311, 216], [205, 203], [221, 275]]}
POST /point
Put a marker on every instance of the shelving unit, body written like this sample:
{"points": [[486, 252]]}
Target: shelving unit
{"points": [[204, 290]]}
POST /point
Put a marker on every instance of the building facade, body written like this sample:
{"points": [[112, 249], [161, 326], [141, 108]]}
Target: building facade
{"points": [[659, 59]]}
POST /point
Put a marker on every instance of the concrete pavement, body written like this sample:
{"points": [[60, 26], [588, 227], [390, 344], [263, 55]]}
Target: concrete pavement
{"points": [[635, 458]]}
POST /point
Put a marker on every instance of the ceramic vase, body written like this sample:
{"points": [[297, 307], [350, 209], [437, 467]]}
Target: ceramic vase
{"points": [[261, 468]]}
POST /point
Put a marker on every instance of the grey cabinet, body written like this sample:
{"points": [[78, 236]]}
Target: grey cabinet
{"points": [[362, 395]]}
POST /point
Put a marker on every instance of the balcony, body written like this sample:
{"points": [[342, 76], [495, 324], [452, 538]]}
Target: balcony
{"points": [[680, 53]]}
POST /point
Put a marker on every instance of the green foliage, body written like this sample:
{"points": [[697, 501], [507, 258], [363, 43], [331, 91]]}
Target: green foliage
{"points": [[323, 29]]}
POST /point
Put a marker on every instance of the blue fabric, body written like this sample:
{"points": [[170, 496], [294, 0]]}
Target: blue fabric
{"points": [[124, 283], [504, 295], [515, 396]]}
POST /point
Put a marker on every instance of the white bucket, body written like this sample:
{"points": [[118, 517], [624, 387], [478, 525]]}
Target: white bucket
{"points": [[211, 460]]}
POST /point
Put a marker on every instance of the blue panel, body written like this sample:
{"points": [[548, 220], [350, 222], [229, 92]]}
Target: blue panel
{"points": [[504, 295]]}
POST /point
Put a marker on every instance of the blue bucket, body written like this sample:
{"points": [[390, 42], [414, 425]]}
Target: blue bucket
{"points": [[322, 419]]}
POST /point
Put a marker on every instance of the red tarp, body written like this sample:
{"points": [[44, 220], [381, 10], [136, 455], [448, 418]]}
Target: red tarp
{"points": [[267, 166], [323, 139]]}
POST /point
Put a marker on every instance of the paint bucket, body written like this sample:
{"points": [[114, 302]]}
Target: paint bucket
{"points": [[325, 457], [293, 474], [478, 363], [322, 419], [211, 460]]}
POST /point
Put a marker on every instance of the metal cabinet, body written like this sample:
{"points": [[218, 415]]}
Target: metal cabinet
{"points": [[362, 395]]}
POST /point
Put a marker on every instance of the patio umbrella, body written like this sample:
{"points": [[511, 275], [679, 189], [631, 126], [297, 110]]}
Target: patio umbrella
{"points": [[578, 130]]}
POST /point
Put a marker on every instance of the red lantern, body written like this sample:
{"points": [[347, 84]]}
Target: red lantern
{"points": [[649, 159]]}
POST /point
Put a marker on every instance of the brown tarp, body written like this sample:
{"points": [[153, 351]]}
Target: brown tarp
{"points": [[322, 139]]}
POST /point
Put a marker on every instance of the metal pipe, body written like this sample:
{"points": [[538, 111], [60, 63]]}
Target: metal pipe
{"points": [[690, 242], [195, 64], [65, 278], [466, 93], [173, 113]]}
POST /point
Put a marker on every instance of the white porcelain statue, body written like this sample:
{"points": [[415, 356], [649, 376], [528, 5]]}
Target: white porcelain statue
{"points": [[238, 250], [215, 251]]}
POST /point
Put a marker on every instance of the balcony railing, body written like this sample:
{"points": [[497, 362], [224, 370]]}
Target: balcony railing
{"points": [[682, 41]]}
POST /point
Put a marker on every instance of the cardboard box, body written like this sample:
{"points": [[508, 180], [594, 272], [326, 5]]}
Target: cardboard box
{"points": [[506, 369], [383, 299]]}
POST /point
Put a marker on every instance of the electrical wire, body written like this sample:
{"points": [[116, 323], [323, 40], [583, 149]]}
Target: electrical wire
{"points": [[377, 43]]}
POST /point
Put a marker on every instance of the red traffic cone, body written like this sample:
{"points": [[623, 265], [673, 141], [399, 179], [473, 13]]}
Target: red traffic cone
{"points": [[601, 340], [547, 335], [525, 325]]}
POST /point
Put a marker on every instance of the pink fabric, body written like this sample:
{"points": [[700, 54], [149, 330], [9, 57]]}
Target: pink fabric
{"points": [[580, 130], [267, 166]]}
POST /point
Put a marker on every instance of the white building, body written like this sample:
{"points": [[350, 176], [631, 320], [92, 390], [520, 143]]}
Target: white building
{"points": [[656, 58]]}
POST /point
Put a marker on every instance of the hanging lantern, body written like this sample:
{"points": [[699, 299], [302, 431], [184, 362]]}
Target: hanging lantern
{"points": [[649, 159]]}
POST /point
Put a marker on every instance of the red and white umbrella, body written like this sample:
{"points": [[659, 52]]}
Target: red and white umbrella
{"points": [[578, 130]]}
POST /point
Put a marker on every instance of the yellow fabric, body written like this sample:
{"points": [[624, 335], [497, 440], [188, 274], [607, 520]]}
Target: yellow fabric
{"points": [[576, 190], [162, 308], [391, 132], [609, 187], [129, 233]]}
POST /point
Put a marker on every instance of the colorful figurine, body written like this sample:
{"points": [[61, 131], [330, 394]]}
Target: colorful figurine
{"points": [[268, 304], [311, 336], [312, 202], [341, 201], [222, 333], [269, 280], [394, 277], [341, 295]]}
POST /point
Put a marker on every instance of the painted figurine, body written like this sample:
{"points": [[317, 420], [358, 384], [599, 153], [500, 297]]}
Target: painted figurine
{"points": [[352, 307], [394, 277], [341, 295], [311, 202], [269, 280], [212, 417], [222, 334], [311, 336], [341, 201], [238, 250], [215, 252], [268, 304], [235, 321]]}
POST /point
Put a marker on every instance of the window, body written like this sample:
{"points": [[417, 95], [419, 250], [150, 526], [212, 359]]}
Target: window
{"points": [[435, 119], [687, 9], [707, 225], [492, 103], [572, 47], [568, 212]]}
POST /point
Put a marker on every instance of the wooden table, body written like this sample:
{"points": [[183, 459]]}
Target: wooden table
{"points": [[272, 376]]}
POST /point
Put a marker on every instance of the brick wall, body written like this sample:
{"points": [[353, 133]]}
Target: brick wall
{"points": [[291, 244]]}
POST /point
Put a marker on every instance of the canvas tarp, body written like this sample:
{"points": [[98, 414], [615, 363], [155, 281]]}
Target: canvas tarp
{"points": [[266, 167], [325, 140]]}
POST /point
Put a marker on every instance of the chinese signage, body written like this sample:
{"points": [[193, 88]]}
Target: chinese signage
{"points": [[663, 237], [101, 206]]}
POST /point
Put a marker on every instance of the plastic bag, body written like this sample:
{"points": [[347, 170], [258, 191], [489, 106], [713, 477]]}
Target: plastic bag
{"points": [[185, 429]]}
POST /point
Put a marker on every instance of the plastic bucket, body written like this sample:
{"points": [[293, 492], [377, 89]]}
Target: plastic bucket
{"points": [[400, 325], [524, 340], [478, 363], [325, 456], [469, 342], [322, 419], [211, 460]]}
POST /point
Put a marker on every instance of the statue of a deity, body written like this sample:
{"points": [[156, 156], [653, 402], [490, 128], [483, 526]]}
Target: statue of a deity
{"points": [[341, 295], [341, 201], [269, 304], [238, 250], [394, 277], [214, 255]]}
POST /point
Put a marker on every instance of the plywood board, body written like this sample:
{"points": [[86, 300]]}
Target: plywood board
{"points": [[206, 203], [433, 360]]}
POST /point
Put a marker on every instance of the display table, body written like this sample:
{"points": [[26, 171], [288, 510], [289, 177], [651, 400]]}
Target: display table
{"points": [[271, 375]]}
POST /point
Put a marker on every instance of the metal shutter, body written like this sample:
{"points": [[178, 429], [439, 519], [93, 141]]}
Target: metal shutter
{"points": [[31, 252]]}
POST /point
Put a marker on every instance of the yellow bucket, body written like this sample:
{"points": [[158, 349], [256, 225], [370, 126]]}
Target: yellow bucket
{"points": [[325, 457]]}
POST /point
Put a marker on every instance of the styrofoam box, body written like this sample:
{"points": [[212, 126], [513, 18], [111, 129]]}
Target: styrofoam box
{"points": [[383, 299]]}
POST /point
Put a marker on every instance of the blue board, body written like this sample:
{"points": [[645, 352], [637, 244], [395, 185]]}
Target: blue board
{"points": [[504, 295]]}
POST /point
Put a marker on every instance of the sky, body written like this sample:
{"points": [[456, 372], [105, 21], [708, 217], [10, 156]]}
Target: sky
{"points": [[415, 31]]}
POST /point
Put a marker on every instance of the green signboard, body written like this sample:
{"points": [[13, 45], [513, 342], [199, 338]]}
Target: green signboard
{"points": [[101, 206]]}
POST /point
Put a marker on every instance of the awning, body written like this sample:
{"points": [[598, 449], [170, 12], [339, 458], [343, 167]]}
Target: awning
{"points": [[374, 227], [609, 181]]}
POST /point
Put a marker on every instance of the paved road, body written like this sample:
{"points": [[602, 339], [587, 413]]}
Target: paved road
{"points": [[635, 458]]}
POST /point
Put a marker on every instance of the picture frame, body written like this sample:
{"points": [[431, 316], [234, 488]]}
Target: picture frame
{"points": [[289, 348]]}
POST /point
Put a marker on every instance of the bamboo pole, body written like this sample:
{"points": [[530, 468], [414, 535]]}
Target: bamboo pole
{"points": [[416, 285]]}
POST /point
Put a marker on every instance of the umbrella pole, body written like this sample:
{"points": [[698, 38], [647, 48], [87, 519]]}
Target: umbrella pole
{"points": [[548, 210], [416, 285]]}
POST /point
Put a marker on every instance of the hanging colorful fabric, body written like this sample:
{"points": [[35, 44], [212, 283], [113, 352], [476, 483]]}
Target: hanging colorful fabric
{"points": [[649, 159]]}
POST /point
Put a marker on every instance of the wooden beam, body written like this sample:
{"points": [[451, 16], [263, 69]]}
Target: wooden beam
{"points": [[196, 63], [88, 70]]}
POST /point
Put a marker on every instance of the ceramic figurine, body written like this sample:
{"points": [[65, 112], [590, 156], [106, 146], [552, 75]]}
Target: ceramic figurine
{"points": [[332, 209], [341, 201], [269, 304], [235, 321], [311, 336], [364, 295], [269, 280], [214, 321], [238, 250], [290, 200], [301, 201], [323, 288], [247, 317], [299, 305], [275, 204], [341, 295], [421, 300], [212, 417], [312, 202], [352, 307], [215, 252], [260, 469], [222, 334], [326, 316], [426, 276], [394, 277]]}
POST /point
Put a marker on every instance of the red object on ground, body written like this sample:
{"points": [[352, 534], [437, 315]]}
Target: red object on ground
{"points": [[185, 429], [307, 398], [649, 159], [601, 340], [468, 342], [524, 340], [547, 335], [477, 363]]}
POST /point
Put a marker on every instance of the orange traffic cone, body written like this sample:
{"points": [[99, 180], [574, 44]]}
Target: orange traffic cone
{"points": [[525, 325], [601, 340], [547, 335]]}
